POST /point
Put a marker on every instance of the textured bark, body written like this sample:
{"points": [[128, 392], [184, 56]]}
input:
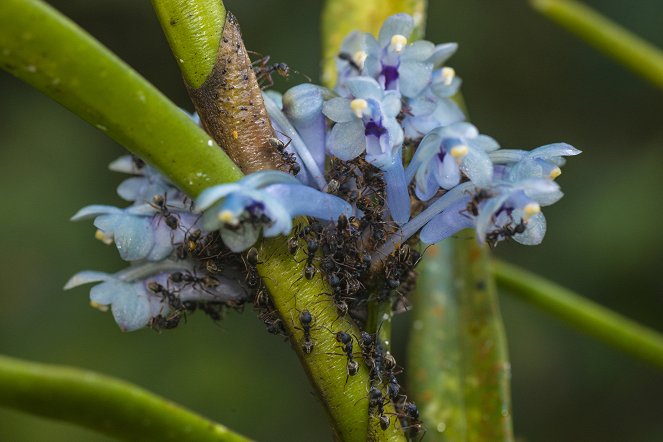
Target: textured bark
{"points": [[231, 108]]}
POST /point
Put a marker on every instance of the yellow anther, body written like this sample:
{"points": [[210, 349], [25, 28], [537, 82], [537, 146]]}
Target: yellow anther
{"points": [[103, 237], [459, 152], [530, 210], [227, 217], [100, 307], [555, 172], [358, 106], [448, 75], [359, 58], [398, 42]]}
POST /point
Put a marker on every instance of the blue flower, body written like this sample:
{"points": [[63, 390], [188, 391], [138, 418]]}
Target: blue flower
{"points": [[367, 123], [542, 162], [135, 295], [141, 231], [446, 153], [268, 199], [427, 112], [505, 210]]}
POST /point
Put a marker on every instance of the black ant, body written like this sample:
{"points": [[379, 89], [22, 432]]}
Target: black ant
{"points": [[305, 319], [505, 232], [251, 262], [312, 247], [473, 205], [345, 339], [159, 202], [290, 159], [264, 71], [376, 401], [160, 322], [172, 299]]}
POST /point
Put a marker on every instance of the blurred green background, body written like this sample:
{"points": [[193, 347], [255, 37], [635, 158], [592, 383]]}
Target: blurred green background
{"points": [[526, 83]]}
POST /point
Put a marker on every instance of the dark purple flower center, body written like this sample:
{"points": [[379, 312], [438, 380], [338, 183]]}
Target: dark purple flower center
{"points": [[390, 76], [375, 129], [256, 211]]}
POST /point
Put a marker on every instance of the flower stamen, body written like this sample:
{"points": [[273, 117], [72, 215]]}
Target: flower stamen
{"points": [[398, 42], [358, 106], [530, 210]]}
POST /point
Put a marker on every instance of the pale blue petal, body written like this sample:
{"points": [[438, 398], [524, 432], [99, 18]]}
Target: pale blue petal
{"points": [[446, 224], [534, 232], [164, 238], [414, 77], [477, 167], [420, 50], [483, 142], [303, 106], [554, 150], [398, 198], [303, 200], [133, 235], [124, 164], [131, 308], [104, 293], [95, 210], [401, 24], [338, 110], [426, 150], [86, 277], [443, 90], [373, 64], [503, 156], [484, 221], [275, 96], [347, 140], [365, 87], [442, 53], [447, 172], [258, 180], [427, 186], [213, 194], [241, 239], [391, 104]]}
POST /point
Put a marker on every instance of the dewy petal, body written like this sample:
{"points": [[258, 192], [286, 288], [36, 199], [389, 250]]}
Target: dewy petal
{"points": [[483, 142], [484, 221], [414, 77], [447, 223], [420, 50], [347, 140], [442, 53], [94, 210], [391, 104], [133, 235], [444, 90], [534, 232], [131, 308], [550, 151], [302, 200], [365, 87], [447, 172], [477, 167], [241, 239], [213, 194], [86, 277], [164, 238], [338, 110], [543, 191], [398, 198], [398, 24]]}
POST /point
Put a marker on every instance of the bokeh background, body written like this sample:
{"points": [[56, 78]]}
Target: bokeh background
{"points": [[526, 83]]}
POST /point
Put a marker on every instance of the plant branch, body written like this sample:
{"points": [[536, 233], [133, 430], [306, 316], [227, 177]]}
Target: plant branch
{"points": [[103, 404], [628, 49], [54, 55], [583, 314]]}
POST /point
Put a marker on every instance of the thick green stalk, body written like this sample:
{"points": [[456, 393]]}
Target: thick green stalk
{"points": [[103, 404], [51, 53], [581, 313], [234, 84], [628, 49], [458, 364], [193, 30]]}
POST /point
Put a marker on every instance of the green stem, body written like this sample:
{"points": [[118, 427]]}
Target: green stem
{"points": [[458, 361], [581, 313], [51, 53], [640, 56], [193, 30], [101, 403]]}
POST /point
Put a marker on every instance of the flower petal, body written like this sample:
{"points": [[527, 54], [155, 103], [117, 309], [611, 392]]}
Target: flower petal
{"points": [[446, 224], [398, 198], [414, 77], [338, 110], [477, 167], [131, 308], [534, 232], [442, 53], [347, 140], [241, 239], [365, 87], [213, 194], [397, 24], [86, 277], [93, 211]]}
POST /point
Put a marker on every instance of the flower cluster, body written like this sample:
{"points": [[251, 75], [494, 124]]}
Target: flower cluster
{"points": [[385, 155]]}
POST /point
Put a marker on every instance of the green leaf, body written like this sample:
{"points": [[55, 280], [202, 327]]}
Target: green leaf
{"points": [[581, 313], [628, 49]]}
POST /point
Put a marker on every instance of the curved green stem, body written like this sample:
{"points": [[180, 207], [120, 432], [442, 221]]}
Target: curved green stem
{"points": [[628, 49], [51, 53], [581, 313], [103, 404], [458, 361], [194, 42]]}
